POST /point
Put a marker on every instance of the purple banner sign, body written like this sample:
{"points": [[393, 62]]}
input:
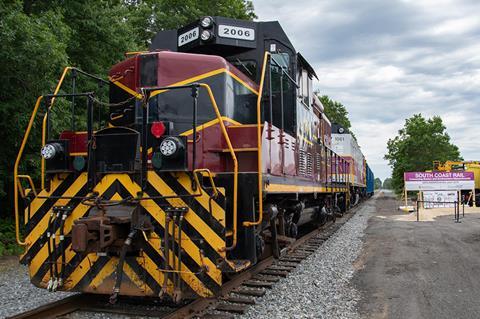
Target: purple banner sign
{"points": [[438, 176], [423, 181]]}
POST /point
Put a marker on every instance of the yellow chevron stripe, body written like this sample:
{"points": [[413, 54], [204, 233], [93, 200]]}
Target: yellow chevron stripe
{"points": [[215, 241], [38, 202], [217, 212], [187, 244], [191, 279], [106, 271], [158, 213], [41, 226], [136, 280], [78, 212], [80, 271]]}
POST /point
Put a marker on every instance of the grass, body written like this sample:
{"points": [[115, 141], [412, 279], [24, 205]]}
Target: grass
{"points": [[8, 243]]}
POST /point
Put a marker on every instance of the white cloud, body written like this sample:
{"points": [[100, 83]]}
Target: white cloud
{"points": [[387, 60]]}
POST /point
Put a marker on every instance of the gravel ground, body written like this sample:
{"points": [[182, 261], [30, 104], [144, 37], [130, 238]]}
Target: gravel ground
{"points": [[17, 294], [320, 287]]}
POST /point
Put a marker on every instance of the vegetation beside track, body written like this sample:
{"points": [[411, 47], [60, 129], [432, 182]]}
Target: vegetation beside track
{"points": [[8, 244]]}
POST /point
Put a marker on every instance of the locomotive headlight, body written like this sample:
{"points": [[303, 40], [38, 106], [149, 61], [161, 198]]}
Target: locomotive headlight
{"points": [[206, 35], [206, 22], [49, 151], [170, 146]]}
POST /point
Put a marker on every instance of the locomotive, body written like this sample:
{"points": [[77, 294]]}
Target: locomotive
{"points": [[210, 153]]}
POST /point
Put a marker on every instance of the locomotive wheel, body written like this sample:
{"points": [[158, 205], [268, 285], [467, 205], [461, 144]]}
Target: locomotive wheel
{"points": [[292, 230]]}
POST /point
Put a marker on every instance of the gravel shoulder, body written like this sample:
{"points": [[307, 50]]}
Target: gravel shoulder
{"points": [[426, 269], [17, 294], [320, 286]]}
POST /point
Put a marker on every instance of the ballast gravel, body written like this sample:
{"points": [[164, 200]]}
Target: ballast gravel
{"points": [[17, 294], [320, 286]]}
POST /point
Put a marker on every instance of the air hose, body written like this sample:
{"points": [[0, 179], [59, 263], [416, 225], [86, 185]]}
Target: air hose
{"points": [[119, 272]]}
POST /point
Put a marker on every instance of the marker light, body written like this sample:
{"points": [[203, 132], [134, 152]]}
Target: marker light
{"points": [[206, 22], [157, 129], [49, 151], [206, 35], [169, 146]]}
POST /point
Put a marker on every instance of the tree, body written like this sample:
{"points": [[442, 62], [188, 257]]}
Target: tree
{"points": [[33, 54], [387, 183], [420, 142], [336, 112], [378, 183]]}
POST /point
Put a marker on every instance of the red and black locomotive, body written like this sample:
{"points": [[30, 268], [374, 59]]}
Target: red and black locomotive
{"points": [[213, 151]]}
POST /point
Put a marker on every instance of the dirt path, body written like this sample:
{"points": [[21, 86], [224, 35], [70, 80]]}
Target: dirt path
{"points": [[428, 269]]}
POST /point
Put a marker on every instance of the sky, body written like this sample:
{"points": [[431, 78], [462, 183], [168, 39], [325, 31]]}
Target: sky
{"points": [[386, 60]]}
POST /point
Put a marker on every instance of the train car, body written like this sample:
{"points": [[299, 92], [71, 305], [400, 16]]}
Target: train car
{"points": [[473, 198], [370, 182], [210, 153], [345, 145]]}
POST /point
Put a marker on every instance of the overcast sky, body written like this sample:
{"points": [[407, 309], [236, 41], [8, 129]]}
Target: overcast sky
{"points": [[388, 59]]}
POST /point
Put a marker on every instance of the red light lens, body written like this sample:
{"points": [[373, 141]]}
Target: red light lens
{"points": [[157, 129]]}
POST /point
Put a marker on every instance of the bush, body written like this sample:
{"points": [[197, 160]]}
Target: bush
{"points": [[8, 243]]}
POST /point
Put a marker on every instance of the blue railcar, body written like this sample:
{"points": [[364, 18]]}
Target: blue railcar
{"points": [[370, 182]]}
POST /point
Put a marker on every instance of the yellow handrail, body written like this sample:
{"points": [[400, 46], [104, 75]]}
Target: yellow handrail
{"points": [[259, 146], [30, 181], [234, 159], [210, 177], [44, 122], [15, 170]]}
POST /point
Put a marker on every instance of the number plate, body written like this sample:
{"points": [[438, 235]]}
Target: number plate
{"points": [[188, 36], [228, 31]]}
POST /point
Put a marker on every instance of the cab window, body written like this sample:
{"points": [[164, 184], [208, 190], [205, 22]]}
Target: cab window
{"points": [[305, 90], [247, 67]]}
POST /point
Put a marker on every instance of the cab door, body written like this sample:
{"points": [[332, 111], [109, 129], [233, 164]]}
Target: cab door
{"points": [[279, 109]]}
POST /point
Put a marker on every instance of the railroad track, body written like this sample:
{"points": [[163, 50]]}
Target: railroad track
{"points": [[236, 295]]}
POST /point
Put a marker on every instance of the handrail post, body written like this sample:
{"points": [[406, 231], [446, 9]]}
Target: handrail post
{"points": [[15, 171], [44, 122], [259, 146], [234, 159]]}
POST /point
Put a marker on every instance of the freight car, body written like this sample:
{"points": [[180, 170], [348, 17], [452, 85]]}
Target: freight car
{"points": [[370, 181], [210, 153]]}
